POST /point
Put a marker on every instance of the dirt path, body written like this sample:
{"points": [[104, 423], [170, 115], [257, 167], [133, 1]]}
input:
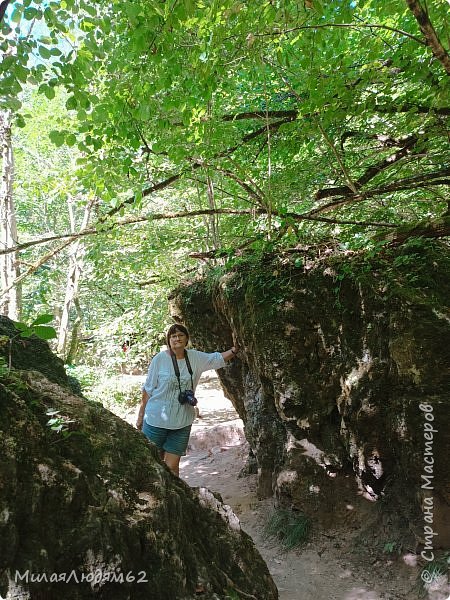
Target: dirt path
{"points": [[327, 569], [330, 567]]}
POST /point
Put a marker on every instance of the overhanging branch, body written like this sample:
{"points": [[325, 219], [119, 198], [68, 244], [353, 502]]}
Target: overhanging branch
{"points": [[282, 32], [285, 116], [370, 172], [434, 229], [198, 164], [441, 177], [70, 237], [36, 266], [292, 115]]}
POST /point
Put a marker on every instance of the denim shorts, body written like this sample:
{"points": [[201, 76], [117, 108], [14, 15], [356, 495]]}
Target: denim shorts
{"points": [[174, 441]]}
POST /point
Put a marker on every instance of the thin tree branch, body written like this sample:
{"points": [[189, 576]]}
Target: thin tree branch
{"points": [[152, 281], [370, 172], [419, 108], [344, 170], [292, 114], [342, 25], [197, 165], [434, 229], [424, 180], [286, 117], [250, 191], [147, 192], [38, 264], [108, 294], [436, 178], [188, 214], [220, 189], [429, 32], [329, 142], [260, 114]]}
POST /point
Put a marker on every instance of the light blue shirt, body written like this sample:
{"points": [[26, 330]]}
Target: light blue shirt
{"points": [[163, 408]]}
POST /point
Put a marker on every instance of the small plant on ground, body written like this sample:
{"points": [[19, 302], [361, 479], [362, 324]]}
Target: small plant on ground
{"points": [[291, 528], [391, 548]]}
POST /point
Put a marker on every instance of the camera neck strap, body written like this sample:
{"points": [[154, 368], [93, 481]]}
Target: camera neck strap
{"points": [[177, 369]]}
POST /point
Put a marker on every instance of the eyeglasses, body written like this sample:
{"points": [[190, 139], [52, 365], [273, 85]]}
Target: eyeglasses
{"points": [[177, 336]]}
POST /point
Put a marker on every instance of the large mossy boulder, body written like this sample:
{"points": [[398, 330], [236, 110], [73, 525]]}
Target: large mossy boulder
{"points": [[344, 360], [87, 509]]}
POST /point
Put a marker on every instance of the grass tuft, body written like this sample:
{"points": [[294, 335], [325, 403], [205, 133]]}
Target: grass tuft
{"points": [[434, 573], [291, 528]]}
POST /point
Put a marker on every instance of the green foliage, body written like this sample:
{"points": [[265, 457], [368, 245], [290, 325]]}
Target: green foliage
{"points": [[291, 528], [36, 39], [279, 109], [391, 548], [38, 328], [119, 393], [85, 375], [410, 256]]}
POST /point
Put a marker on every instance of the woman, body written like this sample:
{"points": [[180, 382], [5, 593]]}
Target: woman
{"points": [[162, 417]]}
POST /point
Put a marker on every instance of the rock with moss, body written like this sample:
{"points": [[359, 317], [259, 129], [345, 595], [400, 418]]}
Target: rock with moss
{"points": [[343, 365], [88, 510]]}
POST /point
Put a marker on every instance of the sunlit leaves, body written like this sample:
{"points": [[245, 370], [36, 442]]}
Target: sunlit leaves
{"points": [[38, 328], [17, 14], [158, 89]]}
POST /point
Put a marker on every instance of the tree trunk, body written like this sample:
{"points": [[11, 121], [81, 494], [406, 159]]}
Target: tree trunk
{"points": [[213, 220], [429, 32], [9, 266], [73, 277], [73, 348]]}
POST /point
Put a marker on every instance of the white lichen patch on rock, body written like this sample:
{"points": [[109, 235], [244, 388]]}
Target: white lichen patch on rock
{"points": [[48, 475], [4, 516], [353, 378], [72, 468], [286, 477], [144, 507], [208, 500], [320, 457]]}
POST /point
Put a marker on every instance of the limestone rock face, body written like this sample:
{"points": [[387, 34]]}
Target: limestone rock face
{"points": [[90, 511], [342, 373]]}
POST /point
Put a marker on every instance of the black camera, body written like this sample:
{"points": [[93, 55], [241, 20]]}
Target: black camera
{"points": [[187, 397]]}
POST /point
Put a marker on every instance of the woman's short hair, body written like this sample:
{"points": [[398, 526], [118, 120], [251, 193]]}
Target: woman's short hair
{"points": [[173, 329]]}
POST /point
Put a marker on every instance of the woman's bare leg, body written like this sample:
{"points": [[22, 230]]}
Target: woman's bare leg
{"points": [[173, 462]]}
